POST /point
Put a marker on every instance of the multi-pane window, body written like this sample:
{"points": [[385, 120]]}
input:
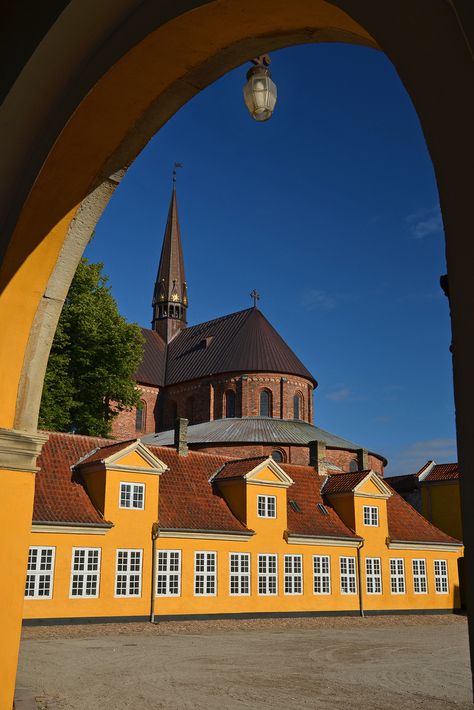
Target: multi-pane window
{"points": [[420, 585], [322, 574], [132, 495], [85, 572], [239, 577], [205, 574], [373, 575], [348, 575], [371, 515], [128, 579], [267, 575], [397, 575], [168, 573], [266, 506], [293, 574], [39, 578], [441, 576]]}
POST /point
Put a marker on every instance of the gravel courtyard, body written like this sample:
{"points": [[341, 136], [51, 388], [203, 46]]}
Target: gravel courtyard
{"points": [[347, 663]]}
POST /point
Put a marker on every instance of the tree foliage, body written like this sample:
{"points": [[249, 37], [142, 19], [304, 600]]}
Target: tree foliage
{"points": [[95, 352]]}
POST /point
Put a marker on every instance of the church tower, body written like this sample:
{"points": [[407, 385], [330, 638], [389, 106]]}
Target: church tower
{"points": [[170, 298]]}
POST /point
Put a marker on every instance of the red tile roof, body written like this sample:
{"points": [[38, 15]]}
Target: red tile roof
{"points": [[187, 499], [306, 492], [443, 472], [60, 494], [238, 468], [408, 525], [343, 482]]}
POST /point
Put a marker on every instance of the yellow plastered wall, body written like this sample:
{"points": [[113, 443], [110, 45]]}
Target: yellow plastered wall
{"points": [[441, 504], [132, 529], [16, 494]]}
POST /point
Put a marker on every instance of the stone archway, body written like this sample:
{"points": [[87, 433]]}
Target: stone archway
{"points": [[109, 82]]}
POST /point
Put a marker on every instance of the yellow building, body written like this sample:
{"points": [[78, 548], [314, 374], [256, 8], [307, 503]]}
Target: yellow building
{"points": [[127, 531], [434, 491]]}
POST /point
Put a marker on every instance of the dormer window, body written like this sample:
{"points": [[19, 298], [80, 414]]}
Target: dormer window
{"points": [[132, 495], [371, 516], [266, 506]]}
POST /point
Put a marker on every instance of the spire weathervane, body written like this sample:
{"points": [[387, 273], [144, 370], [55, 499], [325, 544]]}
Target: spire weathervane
{"points": [[256, 297], [176, 166]]}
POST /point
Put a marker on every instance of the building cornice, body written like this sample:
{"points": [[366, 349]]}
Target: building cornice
{"points": [[421, 545], [20, 449], [70, 528]]}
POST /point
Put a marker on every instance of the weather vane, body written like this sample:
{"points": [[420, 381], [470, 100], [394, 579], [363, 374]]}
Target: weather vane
{"points": [[176, 166], [256, 297]]}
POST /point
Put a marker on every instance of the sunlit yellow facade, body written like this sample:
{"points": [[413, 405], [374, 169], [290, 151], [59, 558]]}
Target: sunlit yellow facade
{"points": [[295, 590]]}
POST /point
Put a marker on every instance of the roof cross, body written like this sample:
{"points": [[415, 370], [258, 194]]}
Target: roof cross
{"points": [[256, 297], [176, 166]]}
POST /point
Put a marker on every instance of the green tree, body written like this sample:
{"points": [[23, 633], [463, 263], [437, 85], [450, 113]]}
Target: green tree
{"points": [[93, 357]]}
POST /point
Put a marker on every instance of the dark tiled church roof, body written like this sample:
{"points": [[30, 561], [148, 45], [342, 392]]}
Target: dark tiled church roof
{"points": [[240, 342], [151, 370]]}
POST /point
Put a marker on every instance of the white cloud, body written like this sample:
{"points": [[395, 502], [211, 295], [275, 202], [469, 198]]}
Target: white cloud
{"points": [[411, 458], [425, 222], [339, 393], [312, 299]]}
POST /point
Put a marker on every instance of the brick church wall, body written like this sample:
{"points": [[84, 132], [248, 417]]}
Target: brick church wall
{"points": [[203, 400], [123, 426]]}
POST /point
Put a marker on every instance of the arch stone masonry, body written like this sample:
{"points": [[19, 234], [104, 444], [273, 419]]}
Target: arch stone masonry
{"points": [[69, 126]]}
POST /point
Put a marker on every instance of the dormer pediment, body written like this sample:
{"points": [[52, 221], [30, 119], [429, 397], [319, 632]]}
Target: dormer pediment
{"points": [[257, 471], [131, 457], [363, 484]]}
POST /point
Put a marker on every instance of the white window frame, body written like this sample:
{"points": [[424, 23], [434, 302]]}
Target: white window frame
{"points": [[207, 574], [269, 506], [322, 574], [441, 576], [371, 516], [397, 575], [167, 572], [38, 575], [133, 488], [128, 573], [293, 578], [239, 573], [419, 576], [373, 575], [266, 576], [86, 572], [348, 574]]}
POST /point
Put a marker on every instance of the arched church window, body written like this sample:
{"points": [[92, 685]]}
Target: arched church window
{"points": [[140, 417], [278, 456], [354, 465], [229, 404], [265, 403], [298, 406]]}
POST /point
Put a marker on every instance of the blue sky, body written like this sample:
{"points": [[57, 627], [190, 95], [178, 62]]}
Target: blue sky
{"points": [[330, 210]]}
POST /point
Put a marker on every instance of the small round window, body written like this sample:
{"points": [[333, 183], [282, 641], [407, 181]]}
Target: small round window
{"points": [[277, 456]]}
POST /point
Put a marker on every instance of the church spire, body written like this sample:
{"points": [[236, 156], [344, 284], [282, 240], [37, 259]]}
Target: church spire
{"points": [[170, 298]]}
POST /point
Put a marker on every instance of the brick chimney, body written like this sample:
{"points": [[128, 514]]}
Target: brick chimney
{"points": [[317, 456], [181, 436], [363, 459]]}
